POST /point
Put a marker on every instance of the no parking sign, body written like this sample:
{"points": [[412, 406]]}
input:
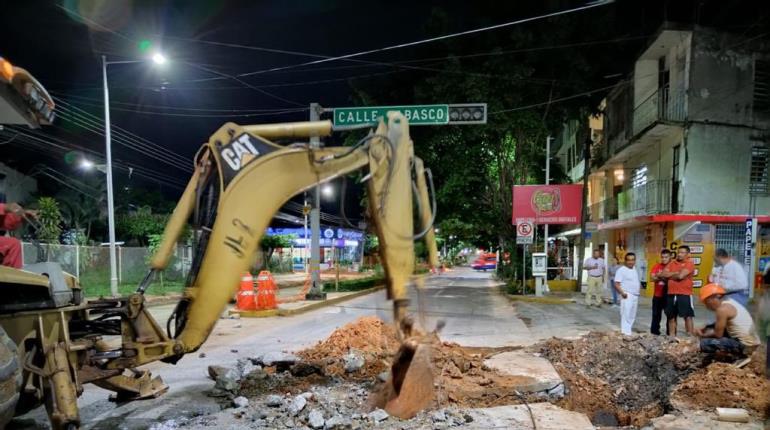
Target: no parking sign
{"points": [[525, 232]]}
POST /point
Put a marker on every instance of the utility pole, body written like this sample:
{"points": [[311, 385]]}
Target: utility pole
{"points": [[584, 215], [316, 289], [110, 199], [547, 182]]}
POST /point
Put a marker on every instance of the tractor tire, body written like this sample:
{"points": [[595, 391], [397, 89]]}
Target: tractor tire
{"points": [[10, 378]]}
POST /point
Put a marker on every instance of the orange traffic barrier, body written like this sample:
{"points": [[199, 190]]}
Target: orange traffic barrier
{"points": [[245, 300], [266, 291], [299, 296]]}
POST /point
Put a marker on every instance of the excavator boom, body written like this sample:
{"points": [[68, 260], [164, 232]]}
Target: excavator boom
{"points": [[242, 179]]}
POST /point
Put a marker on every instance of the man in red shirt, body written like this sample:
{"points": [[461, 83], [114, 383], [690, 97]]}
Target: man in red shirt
{"points": [[679, 299], [659, 296], [10, 247]]}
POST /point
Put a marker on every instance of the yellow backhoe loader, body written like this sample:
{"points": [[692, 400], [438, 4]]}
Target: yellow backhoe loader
{"points": [[52, 341]]}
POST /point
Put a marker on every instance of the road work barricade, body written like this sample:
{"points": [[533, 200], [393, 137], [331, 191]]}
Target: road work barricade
{"points": [[245, 301], [266, 291]]}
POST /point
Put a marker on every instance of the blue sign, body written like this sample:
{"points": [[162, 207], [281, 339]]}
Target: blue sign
{"points": [[328, 233], [299, 232]]}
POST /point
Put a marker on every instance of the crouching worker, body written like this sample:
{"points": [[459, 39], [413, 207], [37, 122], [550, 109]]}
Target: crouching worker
{"points": [[733, 332]]}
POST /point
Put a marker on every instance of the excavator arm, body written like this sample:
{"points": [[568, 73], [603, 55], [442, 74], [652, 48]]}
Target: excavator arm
{"points": [[242, 179]]}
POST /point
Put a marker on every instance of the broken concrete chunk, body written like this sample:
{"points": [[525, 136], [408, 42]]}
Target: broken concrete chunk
{"points": [[240, 402], [315, 419], [215, 371], [227, 379], [273, 400], [337, 422], [383, 377], [278, 359], [353, 361], [297, 405], [378, 415], [735, 415], [307, 395]]}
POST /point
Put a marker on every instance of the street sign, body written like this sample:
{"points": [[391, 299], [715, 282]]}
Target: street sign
{"points": [[591, 227], [747, 257], [369, 115], [524, 232]]}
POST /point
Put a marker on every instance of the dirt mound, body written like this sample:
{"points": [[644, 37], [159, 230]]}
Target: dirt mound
{"points": [[370, 335], [461, 376], [725, 386], [628, 377]]}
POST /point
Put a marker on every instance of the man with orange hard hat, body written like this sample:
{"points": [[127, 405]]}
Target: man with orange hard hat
{"points": [[734, 331]]}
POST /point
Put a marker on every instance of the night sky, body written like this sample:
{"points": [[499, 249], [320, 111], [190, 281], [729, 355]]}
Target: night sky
{"points": [[176, 108]]}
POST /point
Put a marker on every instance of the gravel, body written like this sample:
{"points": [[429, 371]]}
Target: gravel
{"points": [[378, 415], [353, 361]]}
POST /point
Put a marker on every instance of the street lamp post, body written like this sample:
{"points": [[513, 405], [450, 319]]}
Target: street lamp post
{"points": [[159, 59], [110, 198]]}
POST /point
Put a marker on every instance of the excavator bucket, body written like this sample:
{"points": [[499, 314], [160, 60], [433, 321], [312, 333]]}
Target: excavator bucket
{"points": [[409, 388], [411, 383]]}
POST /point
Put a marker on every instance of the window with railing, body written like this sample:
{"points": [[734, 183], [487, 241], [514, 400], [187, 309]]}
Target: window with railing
{"points": [[759, 183], [639, 176]]}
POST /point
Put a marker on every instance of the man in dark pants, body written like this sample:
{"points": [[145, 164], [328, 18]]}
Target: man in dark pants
{"points": [[733, 332], [661, 290]]}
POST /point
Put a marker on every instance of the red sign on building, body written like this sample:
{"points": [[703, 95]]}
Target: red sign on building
{"points": [[548, 204]]}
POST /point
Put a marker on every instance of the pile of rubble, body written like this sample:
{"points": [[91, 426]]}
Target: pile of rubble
{"points": [[331, 384], [725, 386], [629, 380], [620, 380]]}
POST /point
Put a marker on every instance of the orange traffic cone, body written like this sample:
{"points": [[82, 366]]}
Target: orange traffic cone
{"points": [[266, 291], [245, 300]]}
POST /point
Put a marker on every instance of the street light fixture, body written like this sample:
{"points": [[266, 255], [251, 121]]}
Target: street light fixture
{"points": [[158, 59], [86, 164], [327, 190]]}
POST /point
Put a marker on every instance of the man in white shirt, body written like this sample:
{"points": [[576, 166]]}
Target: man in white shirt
{"points": [[732, 278], [627, 285], [595, 267]]}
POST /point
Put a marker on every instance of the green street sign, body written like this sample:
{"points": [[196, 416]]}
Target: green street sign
{"points": [[369, 115]]}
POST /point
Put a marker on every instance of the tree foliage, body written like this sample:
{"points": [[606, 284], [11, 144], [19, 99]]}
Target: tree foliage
{"points": [[140, 225], [270, 243], [50, 219], [475, 167]]}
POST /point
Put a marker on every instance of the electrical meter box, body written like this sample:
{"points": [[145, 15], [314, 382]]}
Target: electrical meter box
{"points": [[539, 264]]}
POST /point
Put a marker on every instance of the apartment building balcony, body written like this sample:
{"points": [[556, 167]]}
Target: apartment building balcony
{"points": [[651, 198], [631, 127]]}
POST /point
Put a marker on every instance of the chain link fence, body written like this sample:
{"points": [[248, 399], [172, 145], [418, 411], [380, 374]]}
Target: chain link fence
{"points": [[91, 264]]}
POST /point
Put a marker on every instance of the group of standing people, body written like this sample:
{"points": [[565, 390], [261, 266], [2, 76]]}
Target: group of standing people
{"points": [[726, 295]]}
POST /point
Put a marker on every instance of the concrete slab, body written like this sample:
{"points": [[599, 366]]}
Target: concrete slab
{"points": [[545, 415], [705, 420], [537, 372]]}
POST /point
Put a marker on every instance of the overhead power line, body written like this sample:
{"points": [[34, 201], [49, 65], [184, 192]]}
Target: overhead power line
{"points": [[431, 39]]}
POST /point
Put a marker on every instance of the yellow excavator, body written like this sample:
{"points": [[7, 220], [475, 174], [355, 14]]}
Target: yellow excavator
{"points": [[52, 341]]}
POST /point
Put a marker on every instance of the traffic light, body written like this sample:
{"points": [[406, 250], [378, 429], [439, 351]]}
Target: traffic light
{"points": [[468, 113]]}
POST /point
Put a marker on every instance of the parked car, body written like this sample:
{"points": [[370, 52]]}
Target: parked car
{"points": [[485, 262]]}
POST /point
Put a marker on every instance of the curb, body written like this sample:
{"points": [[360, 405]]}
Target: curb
{"points": [[328, 302]]}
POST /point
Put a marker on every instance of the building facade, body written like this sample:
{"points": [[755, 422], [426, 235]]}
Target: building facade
{"points": [[683, 158]]}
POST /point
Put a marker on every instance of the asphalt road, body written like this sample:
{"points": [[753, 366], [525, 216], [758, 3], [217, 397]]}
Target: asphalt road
{"points": [[474, 311]]}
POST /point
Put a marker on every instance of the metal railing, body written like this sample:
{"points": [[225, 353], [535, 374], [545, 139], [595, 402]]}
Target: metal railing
{"points": [[662, 105], [605, 210], [653, 197], [625, 120]]}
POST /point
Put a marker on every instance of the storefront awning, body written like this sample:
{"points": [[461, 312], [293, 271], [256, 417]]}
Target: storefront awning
{"points": [[663, 218]]}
